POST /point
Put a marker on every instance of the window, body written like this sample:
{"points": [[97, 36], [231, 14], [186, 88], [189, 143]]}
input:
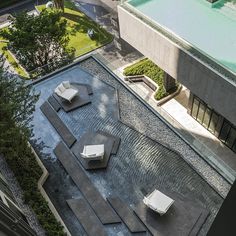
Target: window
{"points": [[224, 131], [213, 122], [195, 108], [234, 146], [201, 112], [207, 117], [231, 138]]}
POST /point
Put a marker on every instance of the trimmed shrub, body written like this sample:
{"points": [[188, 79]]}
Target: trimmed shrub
{"points": [[151, 70], [22, 161], [161, 92]]}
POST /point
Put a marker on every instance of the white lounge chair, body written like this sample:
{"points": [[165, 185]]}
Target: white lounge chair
{"points": [[158, 202], [93, 152], [66, 91]]}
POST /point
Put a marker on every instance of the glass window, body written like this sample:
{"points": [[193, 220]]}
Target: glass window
{"points": [[234, 146], [231, 137], [195, 108], [213, 122], [224, 131], [207, 118], [201, 112]]}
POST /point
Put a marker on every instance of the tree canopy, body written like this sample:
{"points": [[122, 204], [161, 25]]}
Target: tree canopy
{"points": [[17, 104], [39, 42]]}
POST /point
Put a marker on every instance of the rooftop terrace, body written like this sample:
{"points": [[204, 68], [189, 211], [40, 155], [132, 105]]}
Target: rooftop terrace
{"points": [[150, 155], [208, 28]]}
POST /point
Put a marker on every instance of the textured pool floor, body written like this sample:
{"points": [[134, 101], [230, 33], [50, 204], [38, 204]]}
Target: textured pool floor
{"points": [[141, 163]]}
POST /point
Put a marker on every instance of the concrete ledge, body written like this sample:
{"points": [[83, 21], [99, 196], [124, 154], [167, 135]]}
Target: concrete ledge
{"points": [[142, 78], [41, 182], [170, 96]]}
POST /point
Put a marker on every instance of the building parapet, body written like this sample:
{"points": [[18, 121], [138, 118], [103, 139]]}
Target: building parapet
{"points": [[194, 52]]}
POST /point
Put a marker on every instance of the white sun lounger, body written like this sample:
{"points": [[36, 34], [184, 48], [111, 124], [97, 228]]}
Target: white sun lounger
{"points": [[66, 91], [93, 152], [158, 202]]}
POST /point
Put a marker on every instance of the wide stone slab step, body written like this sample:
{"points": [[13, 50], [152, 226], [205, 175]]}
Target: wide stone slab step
{"points": [[127, 215], [100, 206], [53, 102], [58, 124], [87, 217], [93, 138], [81, 99], [184, 218], [115, 139], [88, 86]]}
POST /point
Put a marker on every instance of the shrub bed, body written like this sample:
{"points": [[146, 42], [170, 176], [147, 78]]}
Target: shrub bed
{"points": [[22, 161], [151, 70]]}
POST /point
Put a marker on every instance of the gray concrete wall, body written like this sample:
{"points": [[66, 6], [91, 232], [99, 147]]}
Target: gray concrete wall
{"points": [[219, 93]]}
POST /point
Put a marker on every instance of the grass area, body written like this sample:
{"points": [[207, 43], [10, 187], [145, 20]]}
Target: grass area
{"points": [[151, 70], [77, 25], [12, 60]]}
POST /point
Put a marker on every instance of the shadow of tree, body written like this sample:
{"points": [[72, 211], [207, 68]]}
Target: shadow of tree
{"points": [[82, 24]]}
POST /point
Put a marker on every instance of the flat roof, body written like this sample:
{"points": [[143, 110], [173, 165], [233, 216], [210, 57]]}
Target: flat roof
{"points": [[206, 27]]}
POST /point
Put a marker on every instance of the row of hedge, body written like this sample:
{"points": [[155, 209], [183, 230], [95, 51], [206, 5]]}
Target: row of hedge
{"points": [[151, 70], [23, 163]]}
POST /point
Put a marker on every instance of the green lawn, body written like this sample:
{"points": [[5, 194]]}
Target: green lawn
{"points": [[78, 25], [11, 60]]}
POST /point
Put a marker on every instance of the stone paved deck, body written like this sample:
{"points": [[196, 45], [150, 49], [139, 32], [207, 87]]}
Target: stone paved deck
{"points": [[140, 163]]}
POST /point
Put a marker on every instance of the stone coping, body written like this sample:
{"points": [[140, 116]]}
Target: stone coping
{"points": [[41, 182]]}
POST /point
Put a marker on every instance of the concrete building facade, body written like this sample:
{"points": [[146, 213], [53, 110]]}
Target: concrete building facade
{"points": [[12, 220], [212, 87]]}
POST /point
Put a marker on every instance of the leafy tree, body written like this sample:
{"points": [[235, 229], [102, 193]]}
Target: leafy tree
{"points": [[17, 104], [59, 4], [39, 42]]}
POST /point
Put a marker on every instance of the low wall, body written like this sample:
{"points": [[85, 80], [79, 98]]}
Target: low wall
{"points": [[41, 181]]}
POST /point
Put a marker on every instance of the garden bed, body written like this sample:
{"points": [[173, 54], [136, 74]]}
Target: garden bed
{"points": [[147, 68]]}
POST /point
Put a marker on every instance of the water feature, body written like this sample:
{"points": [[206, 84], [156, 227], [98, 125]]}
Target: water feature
{"points": [[210, 28]]}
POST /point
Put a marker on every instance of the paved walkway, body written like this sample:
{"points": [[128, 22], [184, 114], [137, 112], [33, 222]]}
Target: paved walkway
{"points": [[177, 108]]}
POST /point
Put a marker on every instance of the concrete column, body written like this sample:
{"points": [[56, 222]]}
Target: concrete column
{"points": [[224, 223], [169, 82], [190, 102]]}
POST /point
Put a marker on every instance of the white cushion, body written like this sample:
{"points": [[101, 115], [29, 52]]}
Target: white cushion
{"points": [[66, 84], [61, 88], [158, 201], [68, 94], [93, 152]]}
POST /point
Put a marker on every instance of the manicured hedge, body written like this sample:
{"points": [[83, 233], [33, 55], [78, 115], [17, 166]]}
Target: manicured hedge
{"points": [[151, 70], [22, 161]]}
